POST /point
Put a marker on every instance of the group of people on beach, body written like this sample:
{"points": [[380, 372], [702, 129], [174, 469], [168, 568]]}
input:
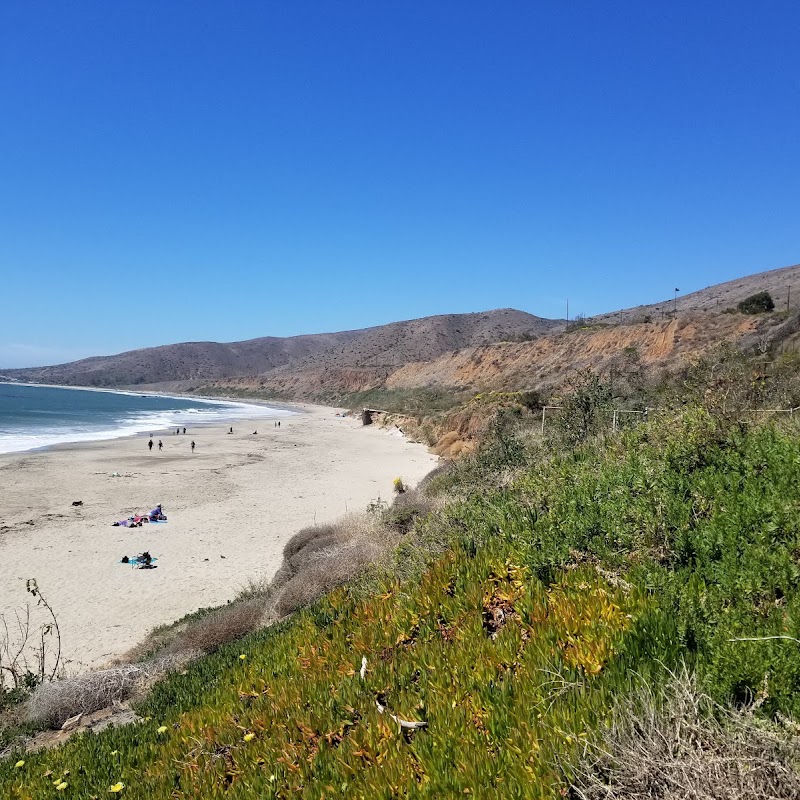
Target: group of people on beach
{"points": [[161, 444], [137, 520], [178, 432]]}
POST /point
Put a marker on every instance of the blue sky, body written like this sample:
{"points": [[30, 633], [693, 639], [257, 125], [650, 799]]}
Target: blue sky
{"points": [[218, 171]]}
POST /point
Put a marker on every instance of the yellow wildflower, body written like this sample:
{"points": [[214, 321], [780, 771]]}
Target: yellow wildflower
{"points": [[117, 787], [61, 786], [242, 657], [19, 764], [115, 752], [248, 737], [162, 729]]}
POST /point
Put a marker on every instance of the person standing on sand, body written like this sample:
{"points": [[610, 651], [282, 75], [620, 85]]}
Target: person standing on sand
{"points": [[160, 445], [193, 445], [150, 444], [184, 431]]}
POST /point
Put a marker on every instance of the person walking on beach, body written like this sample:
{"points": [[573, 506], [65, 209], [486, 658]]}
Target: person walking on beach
{"points": [[184, 431], [193, 445], [150, 444], [160, 445]]}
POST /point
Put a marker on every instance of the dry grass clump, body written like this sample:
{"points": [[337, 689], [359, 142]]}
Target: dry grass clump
{"points": [[677, 743], [407, 507], [425, 484], [318, 559], [54, 703], [308, 543], [224, 625]]}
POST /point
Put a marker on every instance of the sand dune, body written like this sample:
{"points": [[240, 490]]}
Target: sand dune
{"points": [[231, 507]]}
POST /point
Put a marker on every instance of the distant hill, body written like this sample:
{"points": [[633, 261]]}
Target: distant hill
{"points": [[384, 346], [780, 283]]}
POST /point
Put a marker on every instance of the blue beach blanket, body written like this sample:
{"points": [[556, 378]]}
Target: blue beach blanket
{"points": [[135, 562]]}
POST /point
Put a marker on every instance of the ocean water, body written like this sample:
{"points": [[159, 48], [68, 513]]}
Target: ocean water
{"points": [[32, 417]]}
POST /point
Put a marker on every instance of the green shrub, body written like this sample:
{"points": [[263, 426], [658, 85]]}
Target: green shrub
{"points": [[583, 410], [758, 303]]}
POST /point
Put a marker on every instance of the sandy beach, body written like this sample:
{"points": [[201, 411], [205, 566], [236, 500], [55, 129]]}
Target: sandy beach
{"points": [[231, 507]]}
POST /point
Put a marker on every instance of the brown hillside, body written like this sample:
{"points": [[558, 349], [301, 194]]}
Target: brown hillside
{"points": [[424, 339], [184, 361], [783, 284], [383, 346], [546, 362]]}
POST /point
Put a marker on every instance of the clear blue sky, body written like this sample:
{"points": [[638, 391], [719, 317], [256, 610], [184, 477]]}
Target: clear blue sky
{"points": [[178, 171]]}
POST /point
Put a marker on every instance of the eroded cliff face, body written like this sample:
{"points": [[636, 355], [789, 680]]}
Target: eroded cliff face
{"points": [[549, 361], [545, 364]]}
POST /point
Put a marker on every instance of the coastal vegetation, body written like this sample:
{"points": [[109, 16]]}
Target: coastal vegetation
{"points": [[509, 639], [759, 303]]}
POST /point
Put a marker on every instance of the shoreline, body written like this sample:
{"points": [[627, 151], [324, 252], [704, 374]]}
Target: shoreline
{"points": [[231, 507], [115, 434]]}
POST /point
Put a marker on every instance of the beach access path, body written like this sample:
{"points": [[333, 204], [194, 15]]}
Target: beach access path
{"points": [[231, 507]]}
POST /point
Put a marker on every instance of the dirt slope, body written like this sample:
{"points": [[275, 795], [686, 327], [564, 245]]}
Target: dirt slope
{"points": [[548, 361]]}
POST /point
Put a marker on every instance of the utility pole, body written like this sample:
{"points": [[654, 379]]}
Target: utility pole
{"points": [[568, 310], [675, 303], [788, 295]]}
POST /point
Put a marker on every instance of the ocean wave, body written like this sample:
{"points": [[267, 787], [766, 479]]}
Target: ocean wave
{"points": [[135, 422]]}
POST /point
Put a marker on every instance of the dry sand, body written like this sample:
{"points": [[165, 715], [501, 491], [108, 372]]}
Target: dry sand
{"points": [[231, 507]]}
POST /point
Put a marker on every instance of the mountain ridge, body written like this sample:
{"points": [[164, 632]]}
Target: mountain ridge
{"points": [[390, 345]]}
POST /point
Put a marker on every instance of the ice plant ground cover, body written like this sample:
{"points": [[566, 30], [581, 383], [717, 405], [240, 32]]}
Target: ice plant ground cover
{"points": [[557, 586]]}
